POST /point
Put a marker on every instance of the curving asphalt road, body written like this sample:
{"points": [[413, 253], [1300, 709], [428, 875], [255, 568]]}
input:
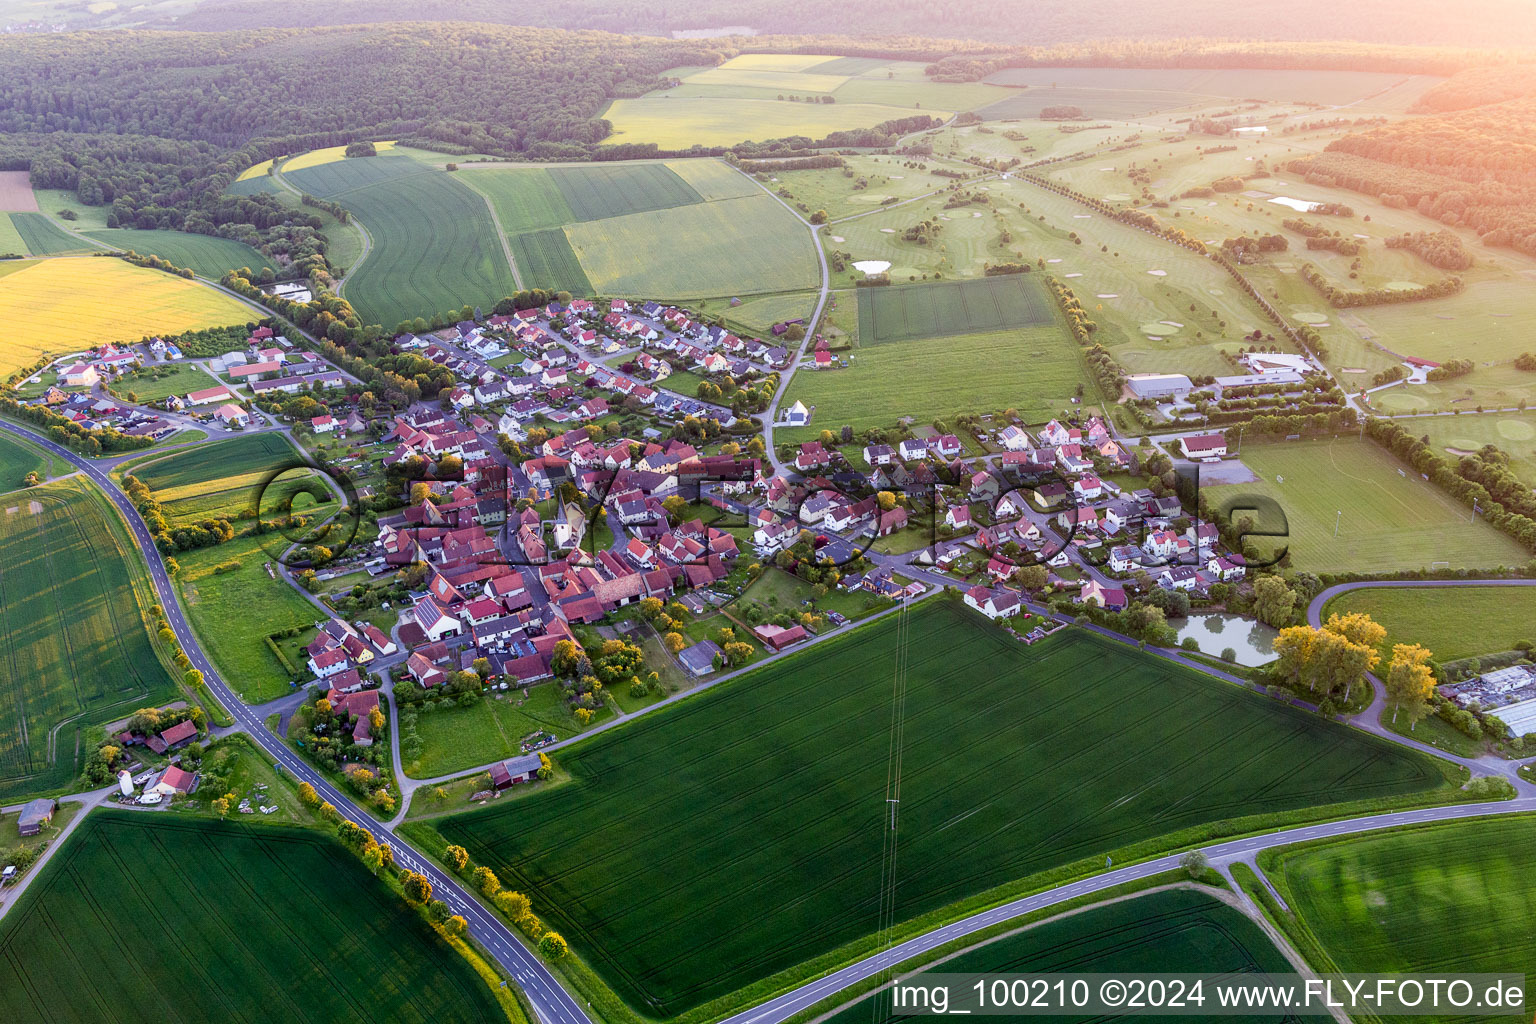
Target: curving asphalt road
{"points": [[554, 1004]]}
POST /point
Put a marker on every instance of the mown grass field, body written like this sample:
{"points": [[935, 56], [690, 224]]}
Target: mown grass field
{"points": [[1453, 622], [1389, 522], [614, 189], [76, 647], [67, 305], [1455, 898], [11, 242], [248, 922], [729, 247], [161, 380], [1171, 930], [456, 739], [17, 459], [904, 313], [1124, 89], [233, 612], [1035, 370], [741, 833], [206, 255]]}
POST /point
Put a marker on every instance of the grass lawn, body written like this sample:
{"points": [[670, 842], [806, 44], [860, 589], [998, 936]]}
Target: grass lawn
{"points": [[44, 237], [729, 247], [161, 380], [1034, 370], [1453, 622], [778, 591], [1454, 897], [250, 921], [18, 458], [1165, 931], [234, 612], [455, 738], [250, 775], [68, 304], [77, 650], [1389, 522], [667, 859]]}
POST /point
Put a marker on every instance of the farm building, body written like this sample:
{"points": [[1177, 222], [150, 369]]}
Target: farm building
{"points": [[80, 375], [207, 396], [778, 637], [35, 814], [518, 769], [1203, 446], [179, 735], [172, 781], [699, 659], [1158, 385]]}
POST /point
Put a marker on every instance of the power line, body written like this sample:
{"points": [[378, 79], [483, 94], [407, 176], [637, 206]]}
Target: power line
{"points": [[888, 867]]}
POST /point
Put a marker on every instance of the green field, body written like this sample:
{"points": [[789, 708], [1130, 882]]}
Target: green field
{"points": [[545, 259], [233, 612], [1035, 370], [1391, 520], [43, 237], [434, 246], [1453, 622], [77, 650], [17, 459], [1122, 89], [1514, 433], [525, 199], [456, 739], [714, 179], [207, 255], [1455, 897], [254, 455], [904, 313], [729, 247], [613, 189], [741, 833], [1168, 931], [11, 242], [147, 917]]}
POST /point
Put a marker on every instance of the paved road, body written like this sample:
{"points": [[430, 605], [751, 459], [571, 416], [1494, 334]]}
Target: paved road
{"points": [[782, 1007], [553, 1003]]}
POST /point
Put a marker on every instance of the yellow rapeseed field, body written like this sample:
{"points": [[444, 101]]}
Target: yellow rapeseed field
{"points": [[316, 157], [68, 304]]}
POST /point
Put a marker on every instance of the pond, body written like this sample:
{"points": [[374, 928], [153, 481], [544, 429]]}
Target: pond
{"points": [[1214, 632]]}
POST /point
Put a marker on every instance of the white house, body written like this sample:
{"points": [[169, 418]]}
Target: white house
{"points": [[913, 448], [1203, 446], [797, 415]]}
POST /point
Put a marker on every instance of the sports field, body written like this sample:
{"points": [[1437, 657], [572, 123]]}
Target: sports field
{"points": [[207, 255], [76, 648], [1453, 622], [66, 305], [1390, 520], [741, 833], [1035, 370], [905, 312], [729, 247], [1456, 897], [153, 917], [1168, 931]]}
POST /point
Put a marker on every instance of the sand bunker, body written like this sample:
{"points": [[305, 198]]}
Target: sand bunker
{"points": [[887, 231], [839, 238], [1108, 295], [872, 266], [1071, 275], [1158, 273], [1309, 317], [1353, 369], [1053, 261]]}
